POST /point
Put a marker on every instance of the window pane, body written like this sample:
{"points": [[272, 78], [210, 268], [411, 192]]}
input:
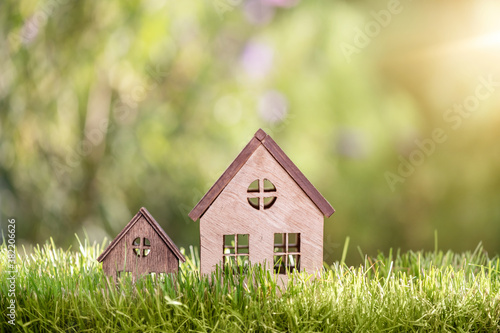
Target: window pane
{"points": [[279, 249], [242, 260], [137, 252], [254, 202], [147, 242], [294, 262], [279, 243], [279, 264], [228, 246], [268, 186], [254, 186], [146, 252], [279, 239], [136, 242], [243, 250], [294, 240], [228, 240], [243, 240], [269, 202], [243, 245], [227, 260]]}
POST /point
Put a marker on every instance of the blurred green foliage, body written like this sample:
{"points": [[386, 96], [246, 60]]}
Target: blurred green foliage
{"points": [[109, 106]]}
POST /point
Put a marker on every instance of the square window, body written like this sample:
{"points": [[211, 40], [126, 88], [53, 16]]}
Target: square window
{"points": [[286, 252], [236, 250]]}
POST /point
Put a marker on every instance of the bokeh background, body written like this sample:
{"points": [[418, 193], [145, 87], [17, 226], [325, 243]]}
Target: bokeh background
{"points": [[112, 105]]}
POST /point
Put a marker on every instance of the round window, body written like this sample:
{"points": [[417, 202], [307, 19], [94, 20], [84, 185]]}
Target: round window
{"points": [[141, 249], [261, 194]]}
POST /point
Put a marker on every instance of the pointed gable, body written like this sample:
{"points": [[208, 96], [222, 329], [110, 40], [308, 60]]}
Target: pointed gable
{"points": [[262, 138], [143, 213]]}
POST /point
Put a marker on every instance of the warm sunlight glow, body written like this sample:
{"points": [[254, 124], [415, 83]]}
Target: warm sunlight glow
{"points": [[488, 40]]}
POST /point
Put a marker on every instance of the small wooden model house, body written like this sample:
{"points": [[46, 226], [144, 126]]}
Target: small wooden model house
{"points": [[262, 210], [142, 247]]}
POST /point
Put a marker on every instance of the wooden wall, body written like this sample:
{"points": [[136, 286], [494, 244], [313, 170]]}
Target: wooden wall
{"points": [[293, 212]]}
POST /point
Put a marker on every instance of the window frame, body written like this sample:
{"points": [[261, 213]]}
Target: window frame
{"points": [[237, 252], [285, 252], [263, 195], [143, 249]]}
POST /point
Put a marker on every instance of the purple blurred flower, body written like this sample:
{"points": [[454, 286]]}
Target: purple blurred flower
{"points": [[31, 27], [258, 12], [351, 143], [281, 3], [257, 59]]}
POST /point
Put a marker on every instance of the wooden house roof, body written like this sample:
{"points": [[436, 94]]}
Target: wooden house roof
{"points": [[262, 138], [143, 212]]}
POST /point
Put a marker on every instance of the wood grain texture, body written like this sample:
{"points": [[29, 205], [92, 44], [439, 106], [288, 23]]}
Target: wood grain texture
{"points": [[120, 255], [261, 138], [293, 212]]}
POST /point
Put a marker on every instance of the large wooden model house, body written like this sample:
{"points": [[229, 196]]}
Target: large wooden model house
{"points": [[142, 247], [262, 210]]}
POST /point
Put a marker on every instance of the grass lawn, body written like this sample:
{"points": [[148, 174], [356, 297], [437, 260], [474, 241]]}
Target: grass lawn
{"points": [[60, 290]]}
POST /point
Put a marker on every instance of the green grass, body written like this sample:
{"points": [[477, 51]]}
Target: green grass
{"points": [[65, 291]]}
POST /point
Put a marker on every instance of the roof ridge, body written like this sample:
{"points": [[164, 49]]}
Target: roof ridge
{"points": [[154, 224], [261, 138], [168, 241]]}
